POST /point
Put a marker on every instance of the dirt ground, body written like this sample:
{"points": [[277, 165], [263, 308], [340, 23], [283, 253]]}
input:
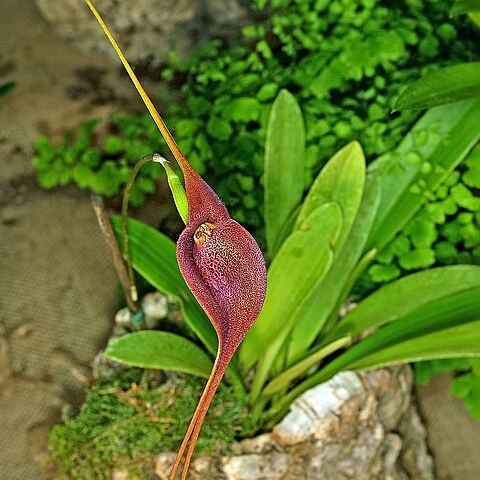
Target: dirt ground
{"points": [[57, 285]]}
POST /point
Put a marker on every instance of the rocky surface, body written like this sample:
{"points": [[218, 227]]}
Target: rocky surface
{"points": [[356, 426], [147, 29]]}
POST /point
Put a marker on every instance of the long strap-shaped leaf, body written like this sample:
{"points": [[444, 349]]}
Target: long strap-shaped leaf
{"points": [[434, 317]]}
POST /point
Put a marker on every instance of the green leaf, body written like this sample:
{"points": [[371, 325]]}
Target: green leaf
{"points": [[154, 257], [341, 180], [446, 85], [465, 6], [219, 129], [458, 341], [267, 91], [401, 298], [331, 292], [162, 350], [284, 166], [113, 145], [243, 109], [282, 381], [383, 273], [300, 264], [451, 132], [416, 259]]}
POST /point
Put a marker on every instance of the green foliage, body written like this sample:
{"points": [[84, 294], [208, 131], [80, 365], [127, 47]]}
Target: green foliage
{"points": [[466, 383], [345, 60], [299, 339], [283, 184], [101, 165], [161, 350], [125, 420]]}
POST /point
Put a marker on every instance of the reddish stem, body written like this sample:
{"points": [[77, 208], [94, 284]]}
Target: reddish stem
{"points": [[193, 431]]}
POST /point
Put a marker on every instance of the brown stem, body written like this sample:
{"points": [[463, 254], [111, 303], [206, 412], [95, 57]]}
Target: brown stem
{"points": [[125, 202], [106, 228]]}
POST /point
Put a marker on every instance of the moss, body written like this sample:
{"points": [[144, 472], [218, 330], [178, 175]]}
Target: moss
{"points": [[124, 421]]}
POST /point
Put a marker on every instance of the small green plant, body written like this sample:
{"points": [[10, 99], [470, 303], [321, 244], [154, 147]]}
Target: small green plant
{"points": [[127, 419], [103, 169], [317, 249], [445, 230]]}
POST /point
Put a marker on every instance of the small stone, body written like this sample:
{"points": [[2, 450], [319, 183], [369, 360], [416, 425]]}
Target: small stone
{"points": [[155, 307], [256, 467], [163, 464], [317, 412], [259, 444]]}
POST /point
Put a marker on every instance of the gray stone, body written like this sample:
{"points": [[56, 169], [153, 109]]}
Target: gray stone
{"points": [[257, 466], [155, 307], [355, 426], [147, 29]]}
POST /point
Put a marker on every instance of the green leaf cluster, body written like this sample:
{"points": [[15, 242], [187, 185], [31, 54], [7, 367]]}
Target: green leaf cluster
{"points": [[445, 231], [101, 165], [126, 419], [345, 60]]}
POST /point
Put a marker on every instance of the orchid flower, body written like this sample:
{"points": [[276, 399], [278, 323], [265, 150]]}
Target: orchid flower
{"points": [[220, 262]]}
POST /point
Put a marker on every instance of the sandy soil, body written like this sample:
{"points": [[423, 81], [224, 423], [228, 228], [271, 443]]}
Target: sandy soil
{"points": [[57, 285]]}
